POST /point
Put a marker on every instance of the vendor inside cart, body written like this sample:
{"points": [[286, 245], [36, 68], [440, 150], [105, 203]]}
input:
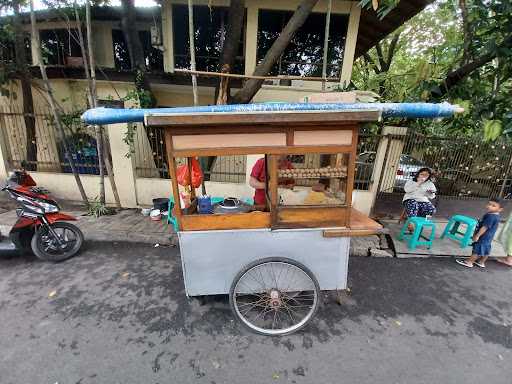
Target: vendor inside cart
{"points": [[259, 176]]}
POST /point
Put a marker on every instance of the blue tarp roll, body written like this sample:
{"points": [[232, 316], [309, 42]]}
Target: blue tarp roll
{"points": [[103, 116]]}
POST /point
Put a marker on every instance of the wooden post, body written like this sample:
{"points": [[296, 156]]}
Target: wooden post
{"points": [[172, 171], [351, 171], [273, 188]]}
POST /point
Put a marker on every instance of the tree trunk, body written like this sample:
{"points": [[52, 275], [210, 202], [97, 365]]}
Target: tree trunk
{"points": [[252, 86], [53, 103], [467, 35], [23, 73], [136, 53], [230, 47]]}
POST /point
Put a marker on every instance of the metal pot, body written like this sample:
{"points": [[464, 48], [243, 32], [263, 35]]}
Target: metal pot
{"points": [[231, 205]]}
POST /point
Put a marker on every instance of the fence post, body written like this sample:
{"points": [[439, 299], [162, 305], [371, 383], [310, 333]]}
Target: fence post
{"points": [[386, 159], [4, 150], [392, 152], [124, 167]]}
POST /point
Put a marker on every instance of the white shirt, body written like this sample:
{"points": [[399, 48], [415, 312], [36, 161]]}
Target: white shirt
{"points": [[422, 193]]}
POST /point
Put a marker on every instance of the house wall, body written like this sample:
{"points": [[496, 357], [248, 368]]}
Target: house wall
{"points": [[171, 95], [136, 191], [253, 6]]}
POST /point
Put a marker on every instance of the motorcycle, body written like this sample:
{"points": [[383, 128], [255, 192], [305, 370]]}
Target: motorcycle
{"points": [[40, 227]]}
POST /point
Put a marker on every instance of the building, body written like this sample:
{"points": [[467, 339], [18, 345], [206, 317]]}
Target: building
{"points": [[164, 34]]}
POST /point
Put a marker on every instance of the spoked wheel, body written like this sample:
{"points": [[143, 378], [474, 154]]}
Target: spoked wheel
{"points": [[63, 241], [274, 296]]}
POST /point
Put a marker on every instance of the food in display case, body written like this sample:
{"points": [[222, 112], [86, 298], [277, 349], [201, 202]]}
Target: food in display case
{"points": [[312, 173]]}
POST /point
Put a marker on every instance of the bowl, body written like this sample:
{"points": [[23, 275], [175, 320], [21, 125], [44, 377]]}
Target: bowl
{"points": [[155, 215]]}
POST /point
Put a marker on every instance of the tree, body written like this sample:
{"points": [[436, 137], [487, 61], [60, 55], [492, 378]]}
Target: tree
{"points": [[136, 53], [454, 50], [385, 51], [56, 111], [230, 47], [252, 86]]}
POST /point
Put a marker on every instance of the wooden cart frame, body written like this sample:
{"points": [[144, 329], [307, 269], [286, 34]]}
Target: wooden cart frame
{"points": [[242, 254], [271, 134]]}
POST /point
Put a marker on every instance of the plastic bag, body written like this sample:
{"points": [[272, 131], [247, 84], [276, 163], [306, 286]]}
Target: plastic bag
{"points": [[183, 177]]}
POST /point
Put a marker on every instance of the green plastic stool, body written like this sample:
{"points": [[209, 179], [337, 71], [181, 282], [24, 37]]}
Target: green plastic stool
{"points": [[415, 239], [451, 230]]}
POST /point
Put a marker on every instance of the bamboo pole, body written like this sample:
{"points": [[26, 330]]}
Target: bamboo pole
{"points": [[53, 103], [326, 41], [94, 99], [192, 50], [237, 76]]}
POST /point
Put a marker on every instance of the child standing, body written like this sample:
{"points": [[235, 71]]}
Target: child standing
{"points": [[484, 233]]}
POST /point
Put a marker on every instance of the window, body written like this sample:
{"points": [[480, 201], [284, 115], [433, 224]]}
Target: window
{"points": [[321, 179], [210, 29], [59, 44], [304, 54], [153, 57], [8, 51]]}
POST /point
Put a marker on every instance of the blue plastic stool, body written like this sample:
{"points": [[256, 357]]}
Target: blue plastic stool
{"points": [[415, 239], [451, 230]]}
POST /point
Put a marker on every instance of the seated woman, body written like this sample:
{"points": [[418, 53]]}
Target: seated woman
{"points": [[418, 193]]}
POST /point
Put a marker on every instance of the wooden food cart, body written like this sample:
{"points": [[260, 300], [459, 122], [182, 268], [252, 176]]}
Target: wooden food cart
{"points": [[272, 259]]}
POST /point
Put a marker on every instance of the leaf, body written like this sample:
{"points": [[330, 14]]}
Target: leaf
{"points": [[125, 274], [52, 293], [492, 129], [398, 323]]}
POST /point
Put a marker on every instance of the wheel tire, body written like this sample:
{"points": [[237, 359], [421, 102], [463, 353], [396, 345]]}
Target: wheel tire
{"points": [[37, 243], [285, 260]]}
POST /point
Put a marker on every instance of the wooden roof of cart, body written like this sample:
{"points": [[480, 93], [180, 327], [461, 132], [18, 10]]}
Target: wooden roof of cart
{"points": [[259, 118]]}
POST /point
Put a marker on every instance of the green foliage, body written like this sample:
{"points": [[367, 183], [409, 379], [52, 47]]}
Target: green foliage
{"points": [[7, 67], [431, 46], [129, 139], [492, 129], [97, 209], [146, 97]]}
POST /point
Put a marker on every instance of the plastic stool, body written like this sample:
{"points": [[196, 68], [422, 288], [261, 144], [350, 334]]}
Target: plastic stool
{"points": [[451, 230], [415, 239]]}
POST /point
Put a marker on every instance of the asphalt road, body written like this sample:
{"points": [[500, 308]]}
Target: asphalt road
{"points": [[118, 314]]}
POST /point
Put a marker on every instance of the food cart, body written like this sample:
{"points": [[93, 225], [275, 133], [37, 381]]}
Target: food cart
{"points": [[273, 259]]}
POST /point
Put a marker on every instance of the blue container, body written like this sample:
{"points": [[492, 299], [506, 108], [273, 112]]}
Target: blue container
{"points": [[204, 204]]}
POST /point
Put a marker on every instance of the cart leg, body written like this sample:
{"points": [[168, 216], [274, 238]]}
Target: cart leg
{"points": [[339, 296]]}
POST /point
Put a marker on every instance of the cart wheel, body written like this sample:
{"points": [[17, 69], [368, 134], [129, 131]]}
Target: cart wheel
{"points": [[274, 296]]}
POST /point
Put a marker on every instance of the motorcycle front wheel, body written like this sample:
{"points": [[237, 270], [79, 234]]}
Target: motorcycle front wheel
{"points": [[62, 242]]}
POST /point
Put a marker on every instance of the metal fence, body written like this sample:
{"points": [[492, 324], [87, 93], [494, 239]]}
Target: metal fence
{"points": [[366, 153], [464, 168], [33, 140], [151, 159]]}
